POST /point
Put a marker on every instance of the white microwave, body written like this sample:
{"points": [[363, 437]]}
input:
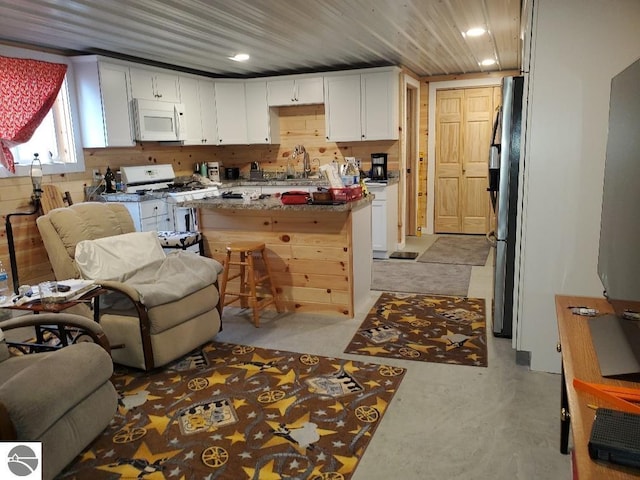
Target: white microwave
{"points": [[158, 121]]}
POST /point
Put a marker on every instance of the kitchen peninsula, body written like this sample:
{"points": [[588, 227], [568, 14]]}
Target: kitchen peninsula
{"points": [[320, 255]]}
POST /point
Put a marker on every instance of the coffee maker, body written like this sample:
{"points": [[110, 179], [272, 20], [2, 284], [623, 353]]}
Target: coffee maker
{"points": [[378, 166]]}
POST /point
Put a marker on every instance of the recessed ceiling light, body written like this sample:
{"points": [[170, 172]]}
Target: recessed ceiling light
{"points": [[487, 62], [475, 32], [240, 57]]}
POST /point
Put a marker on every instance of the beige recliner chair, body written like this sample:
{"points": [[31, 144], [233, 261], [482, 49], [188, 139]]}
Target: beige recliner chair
{"points": [[154, 328], [63, 398]]}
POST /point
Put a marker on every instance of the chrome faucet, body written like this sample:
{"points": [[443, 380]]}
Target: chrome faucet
{"points": [[306, 164], [316, 161]]}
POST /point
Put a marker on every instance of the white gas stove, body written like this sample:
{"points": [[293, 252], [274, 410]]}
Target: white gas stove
{"points": [[160, 179]]}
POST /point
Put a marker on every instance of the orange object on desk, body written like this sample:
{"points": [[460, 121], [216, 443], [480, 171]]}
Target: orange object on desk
{"points": [[623, 398]]}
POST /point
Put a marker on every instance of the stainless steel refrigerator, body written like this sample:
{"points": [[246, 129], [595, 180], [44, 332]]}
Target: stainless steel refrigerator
{"points": [[504, 166]]}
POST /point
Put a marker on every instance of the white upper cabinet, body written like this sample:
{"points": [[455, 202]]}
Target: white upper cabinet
{"points": [[154, 85], [207, 92], [243, 115], [198, 97], [231, 116], [295, 91], [262, 122], [342, 108], [362, 106], [380, 97], [103, 100]]}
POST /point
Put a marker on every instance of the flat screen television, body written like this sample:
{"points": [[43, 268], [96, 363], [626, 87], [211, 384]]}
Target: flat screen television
{"points": [[617, 337]]}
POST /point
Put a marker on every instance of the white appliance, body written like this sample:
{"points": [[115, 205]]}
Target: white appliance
{"points": [[213, 170], [158, 121], [159, 180]]}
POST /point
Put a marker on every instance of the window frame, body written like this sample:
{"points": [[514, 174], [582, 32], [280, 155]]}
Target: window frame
{"points": [[24, 170]]}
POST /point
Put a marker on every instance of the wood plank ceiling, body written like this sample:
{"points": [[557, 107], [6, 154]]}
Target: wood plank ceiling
{"points": [[282, 36]]}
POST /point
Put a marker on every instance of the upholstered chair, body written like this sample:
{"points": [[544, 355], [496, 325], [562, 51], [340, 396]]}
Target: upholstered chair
{"points": [[168, 305], [62, 397]]}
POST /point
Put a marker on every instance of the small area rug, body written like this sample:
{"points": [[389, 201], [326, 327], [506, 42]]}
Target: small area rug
{"points": [[412, 277], [238, 412], [426, 328], [458, 250]]}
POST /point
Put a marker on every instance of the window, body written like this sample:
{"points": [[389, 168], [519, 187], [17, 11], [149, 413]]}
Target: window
{"points": [[56, 140]]}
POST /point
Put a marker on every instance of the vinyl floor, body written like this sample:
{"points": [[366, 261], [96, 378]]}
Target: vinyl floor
{"points": [[446, 421]]}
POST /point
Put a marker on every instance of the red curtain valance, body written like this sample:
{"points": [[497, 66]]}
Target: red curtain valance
{"points": [[28, 89]]}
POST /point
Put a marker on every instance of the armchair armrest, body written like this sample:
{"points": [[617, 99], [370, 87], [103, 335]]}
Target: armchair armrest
{"points": [[120, 287], [39, 394], [91, 328]]}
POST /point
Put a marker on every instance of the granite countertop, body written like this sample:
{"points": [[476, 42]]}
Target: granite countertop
{"points": [[273, 203], [298, 182], [320, 182], [241, 182], [122, 197]]}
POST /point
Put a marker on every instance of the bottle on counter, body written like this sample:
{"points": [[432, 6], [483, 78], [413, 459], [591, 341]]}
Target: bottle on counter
{"points": [[109, 181], [351, 175], [4, 284], [291, 173]]}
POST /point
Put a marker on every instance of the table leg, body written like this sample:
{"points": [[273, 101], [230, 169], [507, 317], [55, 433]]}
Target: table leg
{"points": [[565, 417], [96, 309]]}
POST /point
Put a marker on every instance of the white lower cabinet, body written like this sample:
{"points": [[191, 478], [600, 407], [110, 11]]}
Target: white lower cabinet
{"points": [[150, 215], [384, 219]]}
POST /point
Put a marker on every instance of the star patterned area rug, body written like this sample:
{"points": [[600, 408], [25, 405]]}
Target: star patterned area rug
{"points": [[426, 328], [237, 412]]}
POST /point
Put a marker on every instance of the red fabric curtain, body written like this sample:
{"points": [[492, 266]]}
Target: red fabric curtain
{"points": [[28, 89]]}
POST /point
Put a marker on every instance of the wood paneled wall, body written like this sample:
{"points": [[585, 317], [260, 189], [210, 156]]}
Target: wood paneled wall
{"points": [[298, 125], [423, 134]]}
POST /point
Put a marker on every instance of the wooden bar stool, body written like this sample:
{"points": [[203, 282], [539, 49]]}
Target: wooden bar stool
{"points": [[248, 282]]}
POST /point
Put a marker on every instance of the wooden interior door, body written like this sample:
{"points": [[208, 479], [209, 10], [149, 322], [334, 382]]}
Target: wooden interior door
{"points": [[464, 120], [448, 171]]}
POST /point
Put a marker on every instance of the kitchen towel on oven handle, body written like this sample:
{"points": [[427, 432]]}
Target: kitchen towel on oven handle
{"points": [[295, 197]]}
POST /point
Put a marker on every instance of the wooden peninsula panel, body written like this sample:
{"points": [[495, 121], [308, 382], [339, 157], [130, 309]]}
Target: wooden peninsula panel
{"points": [[320, 256]]}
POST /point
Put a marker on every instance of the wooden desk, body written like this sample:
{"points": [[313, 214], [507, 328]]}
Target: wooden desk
{"points": [[579, 360]]}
